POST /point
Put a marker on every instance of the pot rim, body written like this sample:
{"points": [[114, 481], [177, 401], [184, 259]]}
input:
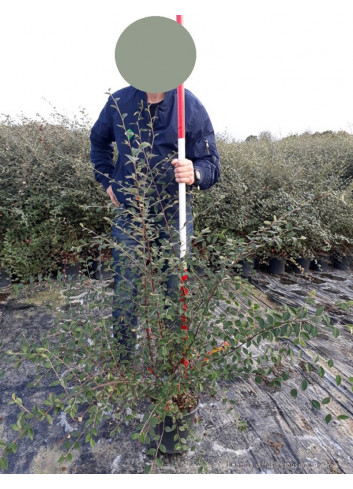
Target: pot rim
{"points": [[183, 412]]}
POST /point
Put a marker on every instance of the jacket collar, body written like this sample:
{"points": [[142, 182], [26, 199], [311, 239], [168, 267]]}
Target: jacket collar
{"points": [[165, 102]]}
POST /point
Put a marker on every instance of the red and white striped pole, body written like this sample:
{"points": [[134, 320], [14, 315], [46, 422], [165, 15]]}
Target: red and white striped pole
{"points": [[182, 195]]}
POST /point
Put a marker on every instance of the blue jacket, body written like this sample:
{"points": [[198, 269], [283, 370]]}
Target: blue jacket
{"points": [[200, 143]]}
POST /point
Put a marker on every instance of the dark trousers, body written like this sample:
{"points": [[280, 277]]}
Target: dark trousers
{"points": [[126, 275]]}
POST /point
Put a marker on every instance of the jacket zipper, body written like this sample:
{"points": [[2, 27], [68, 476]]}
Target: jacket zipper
{"points": [[207, 146], [149, 131]]}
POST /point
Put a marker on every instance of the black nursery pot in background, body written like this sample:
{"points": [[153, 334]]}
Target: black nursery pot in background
{"points": [[320, 263], [99, 270], [276, 265], [247, 267], [301, 265], [70, 271], [5, 279], [342, 262]]}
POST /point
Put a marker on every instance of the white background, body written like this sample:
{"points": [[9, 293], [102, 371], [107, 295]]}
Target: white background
{"points": [[275, 65]]}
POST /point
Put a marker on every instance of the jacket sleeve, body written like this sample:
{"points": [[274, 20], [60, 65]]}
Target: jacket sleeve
{"points": [[201, 148], [101, 137]]}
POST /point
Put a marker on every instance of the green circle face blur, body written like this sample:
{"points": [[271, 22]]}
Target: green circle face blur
{"points": [[155, 54]]}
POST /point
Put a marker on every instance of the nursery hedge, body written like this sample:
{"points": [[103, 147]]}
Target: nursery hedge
{"points": [[308, 177], [48, 189]]}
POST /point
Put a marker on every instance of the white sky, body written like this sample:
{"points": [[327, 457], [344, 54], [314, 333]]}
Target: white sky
{"points": [[278, 65]]}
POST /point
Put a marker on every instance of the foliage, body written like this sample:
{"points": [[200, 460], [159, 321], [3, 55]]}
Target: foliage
{"points": [[92, 377], [262, 178], [47, 189]]}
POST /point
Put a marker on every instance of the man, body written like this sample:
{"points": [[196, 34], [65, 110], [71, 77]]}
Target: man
{"points": [[125, 119]]}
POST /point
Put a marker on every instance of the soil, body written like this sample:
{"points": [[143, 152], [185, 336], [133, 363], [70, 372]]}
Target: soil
{"points": [[186, 402]]}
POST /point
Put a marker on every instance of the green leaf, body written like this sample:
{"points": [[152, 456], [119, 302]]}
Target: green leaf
{"points": [[342, 416], [286, 316], [321, 372], [330, 363], [162, 448], [294, 393], [30, 433], [336, 332], [304, 384], [13, 447], [315, 404], [326, 319], [338, 379], [4, 463], [308, 367], [328, 418], [147, 469], [342, 305], [261, 322], [319, 310], [144, 145], [326, 400]]}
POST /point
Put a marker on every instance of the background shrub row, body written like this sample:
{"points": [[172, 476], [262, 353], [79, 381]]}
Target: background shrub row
{"points": [[48, 188]]}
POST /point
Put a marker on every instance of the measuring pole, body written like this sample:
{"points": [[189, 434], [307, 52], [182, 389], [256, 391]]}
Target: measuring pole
{"points": [[182, 196]]}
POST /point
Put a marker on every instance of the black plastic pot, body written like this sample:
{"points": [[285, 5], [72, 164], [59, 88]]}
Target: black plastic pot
{"points": [[167, 437], [104, 272], [71, 271], [98, 270], [257, 263], [319, 263], [301, 265], [5, 279], [90, 269], [343, 262], [247, 267], [276, 265]]}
